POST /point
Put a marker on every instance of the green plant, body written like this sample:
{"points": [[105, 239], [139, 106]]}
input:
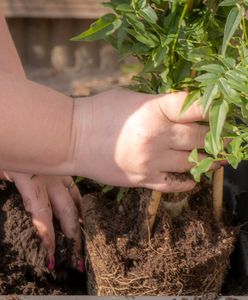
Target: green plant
{"points": [[193, 45]]}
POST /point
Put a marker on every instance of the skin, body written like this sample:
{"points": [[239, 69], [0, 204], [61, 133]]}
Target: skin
{"points": [[118, 137], [43, 196]]}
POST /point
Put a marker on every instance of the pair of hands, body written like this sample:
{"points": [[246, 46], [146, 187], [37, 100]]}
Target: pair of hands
{"points": [[121, 138]]}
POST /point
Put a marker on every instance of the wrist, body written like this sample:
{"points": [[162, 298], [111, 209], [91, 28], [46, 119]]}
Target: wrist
{"points": [[79, 154]]}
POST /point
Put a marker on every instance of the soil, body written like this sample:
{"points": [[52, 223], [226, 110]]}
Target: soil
{"points": [[23, 264], [187, 255]]}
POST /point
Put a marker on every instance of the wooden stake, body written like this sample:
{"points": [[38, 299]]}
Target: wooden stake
{"points": [[152, 208], [218, 194]]}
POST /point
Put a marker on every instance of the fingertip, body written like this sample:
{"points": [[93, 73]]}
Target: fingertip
{"points": [[181, 186], [51, 263], [181, 95], [189, 185], [80, 265]]}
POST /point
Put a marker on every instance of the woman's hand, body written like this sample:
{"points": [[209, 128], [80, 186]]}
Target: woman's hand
{"points": [[132, 139], [44, 196]]}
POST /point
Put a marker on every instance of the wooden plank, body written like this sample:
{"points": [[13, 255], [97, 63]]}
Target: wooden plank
{"points": [[89, 9], [37, 38], [18, 32]]}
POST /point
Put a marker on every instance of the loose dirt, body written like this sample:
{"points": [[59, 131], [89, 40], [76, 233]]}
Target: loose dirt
{"points": [[23, 260]]}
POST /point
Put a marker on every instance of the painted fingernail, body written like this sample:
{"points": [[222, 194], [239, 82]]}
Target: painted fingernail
{"points": [[80, 265], [223, 163], [51, 263]]}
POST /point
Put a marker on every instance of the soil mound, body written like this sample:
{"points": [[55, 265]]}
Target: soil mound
{"points": [[23, 264]]}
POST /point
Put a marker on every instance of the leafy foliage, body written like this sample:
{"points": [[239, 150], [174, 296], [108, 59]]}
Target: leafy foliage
{"points": [[198, 46]]}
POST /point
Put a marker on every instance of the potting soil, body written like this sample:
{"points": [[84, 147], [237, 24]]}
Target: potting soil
{"points": [[187, 255]]}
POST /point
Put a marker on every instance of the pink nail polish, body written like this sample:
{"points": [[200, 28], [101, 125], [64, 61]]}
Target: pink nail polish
{"points": [[80, 265], [51, 263]]}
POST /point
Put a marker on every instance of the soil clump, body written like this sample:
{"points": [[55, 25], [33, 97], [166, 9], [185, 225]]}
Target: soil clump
{"points": [[186, 255]]}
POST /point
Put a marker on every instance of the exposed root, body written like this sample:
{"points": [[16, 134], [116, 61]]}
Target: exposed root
{"points": [[185, 256]]}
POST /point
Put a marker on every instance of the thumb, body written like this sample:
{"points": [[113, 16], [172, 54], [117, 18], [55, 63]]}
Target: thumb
{"points": [[171, 105]]}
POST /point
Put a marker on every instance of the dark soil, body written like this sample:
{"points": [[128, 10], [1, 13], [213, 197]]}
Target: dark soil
{"points": [[23, 264], [187, 255]]}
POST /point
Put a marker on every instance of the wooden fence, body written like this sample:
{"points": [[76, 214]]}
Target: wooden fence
{"points": [[79, 9], [42, 30]]}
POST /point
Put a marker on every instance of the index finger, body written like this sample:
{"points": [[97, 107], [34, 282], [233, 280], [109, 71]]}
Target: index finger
{"points": [[171, 105]]}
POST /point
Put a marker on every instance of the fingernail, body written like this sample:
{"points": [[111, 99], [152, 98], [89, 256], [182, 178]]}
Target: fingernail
{"points": [[80, 265], [223, 163], [51, 263]]}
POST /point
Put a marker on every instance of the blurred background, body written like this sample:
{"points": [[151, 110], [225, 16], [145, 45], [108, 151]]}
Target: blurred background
{"points": [[42, 29]]}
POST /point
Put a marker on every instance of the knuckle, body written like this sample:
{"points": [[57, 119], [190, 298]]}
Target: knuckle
{"points": [[27, 202], [173, 135], [197, 109], [142, 163], [142, 180], [201, 132]]}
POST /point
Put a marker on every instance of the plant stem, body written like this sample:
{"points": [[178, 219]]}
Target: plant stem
{"points": [[186, 6], [244, 30], [218, 194]]}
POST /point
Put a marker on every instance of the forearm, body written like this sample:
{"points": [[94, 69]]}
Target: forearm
{"points": [[35, 127], [9, 59]]}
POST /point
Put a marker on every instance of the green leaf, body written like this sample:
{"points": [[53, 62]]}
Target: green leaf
{"points": [[114, 3], [140, 33], [234, 146], [207, 78], [121, 194], [79, 179], [232, 23], [149, 14], [236, 82], [158, 55], [235, 150], [209, 146], [190, 99], [100, 29], [124, 8], [138, 4], [199, 53], [107, 188], [141, 38], [229, 93], [121, 35], [201, 168], [182, 70], [234, 161], [217, 117], [228, 62], [194, 157], [210, 93], [228, 3], [212, 68]]}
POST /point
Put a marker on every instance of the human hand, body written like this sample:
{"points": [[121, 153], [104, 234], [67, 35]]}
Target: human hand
{"points": [[44, 196], [132, 139]]}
